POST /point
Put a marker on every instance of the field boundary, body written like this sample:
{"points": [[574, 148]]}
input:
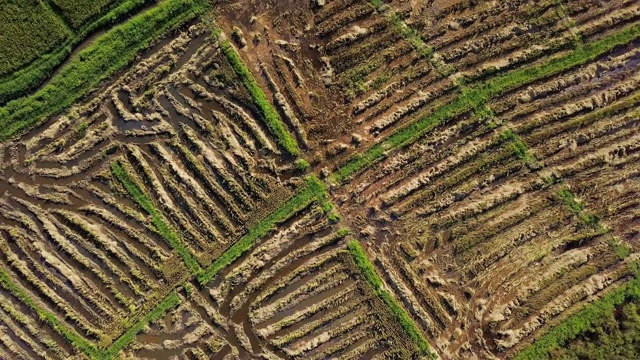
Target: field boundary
{"points": [[314, 190], [368, 271], [157, 219]]}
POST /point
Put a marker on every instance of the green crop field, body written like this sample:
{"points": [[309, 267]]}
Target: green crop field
{"points": [[77, 12], [28, 29]]}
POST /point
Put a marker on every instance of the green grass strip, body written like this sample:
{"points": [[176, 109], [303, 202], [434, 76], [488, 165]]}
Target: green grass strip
{"points": [[474, 97], [158, 221], [23, 81], [70, 334], [169, 302], [581, 322], [366, 267], [270, 115], [368, 271], [314, 190], [107, 55]]}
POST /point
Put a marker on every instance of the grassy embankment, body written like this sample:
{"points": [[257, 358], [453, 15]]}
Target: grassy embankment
{"points": [[103, 58], [369, 273], [268, 113], [478, 94]]}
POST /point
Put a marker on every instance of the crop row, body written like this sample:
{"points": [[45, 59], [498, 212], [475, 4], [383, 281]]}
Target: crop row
{"points": [[480, 94], [369, 273], [29, 29]]}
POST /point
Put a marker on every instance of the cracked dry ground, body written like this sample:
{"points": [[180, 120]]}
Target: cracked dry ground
{"points": [[484, 154]]}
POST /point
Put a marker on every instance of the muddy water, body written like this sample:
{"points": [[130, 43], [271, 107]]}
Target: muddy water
{"points": [[229, 336], [156, 337], [20, 343], [180, 166], [242, 315], [194, 45]]}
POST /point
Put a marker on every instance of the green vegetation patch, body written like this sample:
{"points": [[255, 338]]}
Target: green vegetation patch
{"points": [[107, 55], [518, 146], [77, 12], [314, 190], [21, 82], [591, 320], [28, 29], [269, 114], [369, 273], [165, 230]]}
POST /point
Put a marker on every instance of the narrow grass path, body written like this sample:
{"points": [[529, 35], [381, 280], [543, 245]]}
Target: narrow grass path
{"points": [[314, 190], [168, 233]]}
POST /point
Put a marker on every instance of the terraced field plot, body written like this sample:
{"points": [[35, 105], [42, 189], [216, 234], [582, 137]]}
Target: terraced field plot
{"points": [[479, 187]]}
